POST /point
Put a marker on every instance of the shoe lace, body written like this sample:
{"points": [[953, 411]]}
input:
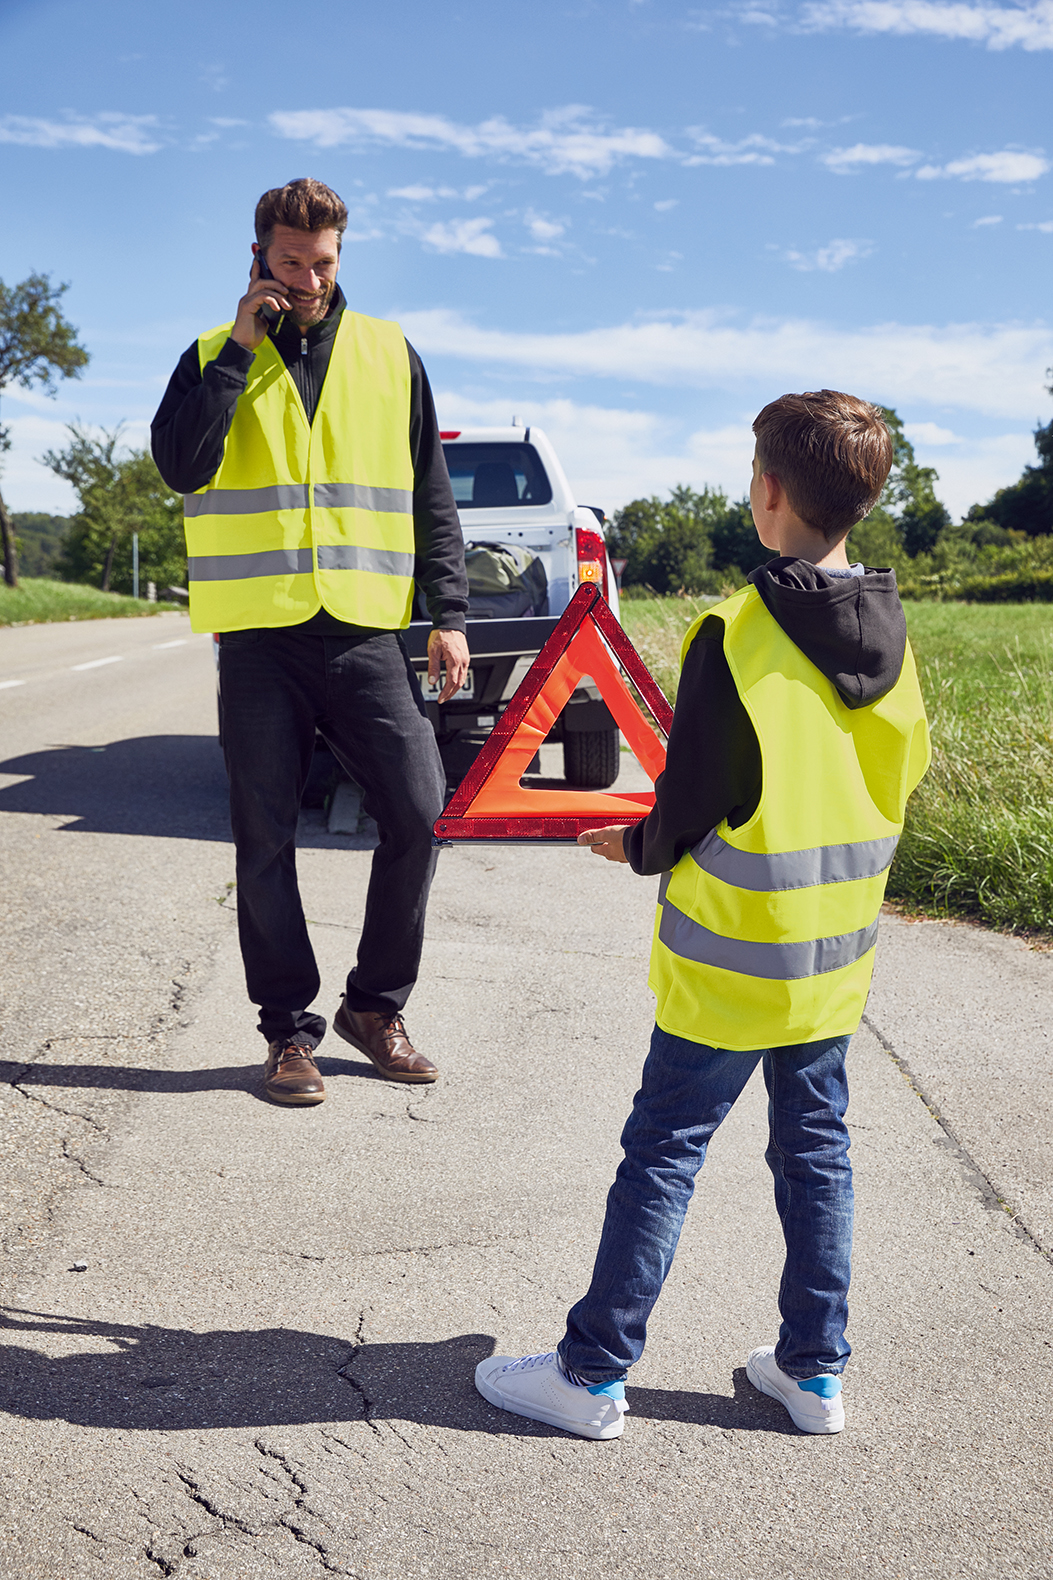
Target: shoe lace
{"points": [[527, 1361], [296, 1050]]}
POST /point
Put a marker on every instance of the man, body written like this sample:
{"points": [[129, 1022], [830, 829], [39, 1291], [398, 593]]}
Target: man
{"points": [[304, 438]]}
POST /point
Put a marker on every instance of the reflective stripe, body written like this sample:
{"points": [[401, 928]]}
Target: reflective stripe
{"points": [[246, 501], [351, 557], [359, 496], [771, 873], [774, 962], [241, 567]]}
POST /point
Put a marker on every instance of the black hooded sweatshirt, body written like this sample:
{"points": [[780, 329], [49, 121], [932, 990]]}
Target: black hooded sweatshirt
{"points": [[852, 628]]}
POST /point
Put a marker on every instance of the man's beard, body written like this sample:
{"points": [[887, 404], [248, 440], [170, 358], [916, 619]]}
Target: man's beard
{"points": [[306, 314]]}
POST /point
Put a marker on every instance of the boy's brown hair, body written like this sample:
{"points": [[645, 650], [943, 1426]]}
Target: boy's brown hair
{"points": [[304, 204], [831, 452]]}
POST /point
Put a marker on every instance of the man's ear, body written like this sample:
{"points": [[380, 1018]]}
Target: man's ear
{"points": [[772, 491]]}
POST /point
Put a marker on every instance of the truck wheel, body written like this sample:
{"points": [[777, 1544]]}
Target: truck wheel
{"points": [[591, 758]]}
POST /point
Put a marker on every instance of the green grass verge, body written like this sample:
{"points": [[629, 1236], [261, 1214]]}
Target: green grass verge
{"points": [[37, 601], [978, 840]]}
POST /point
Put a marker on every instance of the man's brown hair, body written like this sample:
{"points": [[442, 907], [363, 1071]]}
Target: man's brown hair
{"points": [[831, 452], [304, 204]]}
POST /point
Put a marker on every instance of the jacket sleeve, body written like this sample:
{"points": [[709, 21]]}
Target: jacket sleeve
{"points": [[193, 420], [713, 763], [436, 526]]}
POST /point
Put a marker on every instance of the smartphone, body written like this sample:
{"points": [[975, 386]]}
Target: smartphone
{"points": [[271, 316]]}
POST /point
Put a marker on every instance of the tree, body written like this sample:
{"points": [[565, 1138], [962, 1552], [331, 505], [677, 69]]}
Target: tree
{"points": [[1026, 505], [909, 496], [681, 544], [119, 494], [37, 346], [908, 519]]}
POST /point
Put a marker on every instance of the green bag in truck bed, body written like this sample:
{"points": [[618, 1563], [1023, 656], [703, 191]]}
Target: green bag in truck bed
{"points": [[505, 581]]}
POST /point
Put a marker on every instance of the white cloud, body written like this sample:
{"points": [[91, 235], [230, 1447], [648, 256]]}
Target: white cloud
{"points": [[420, 193], [830, 258], [1044, 224], [751, 150], [128, 134], [666, 204], [542, 229], [1009, 165], [930, 433], [611, 455], [971, 469], [27, 483], [1029, 26], [423, 194], [846, 161], [988, 219], [992, 368], [464, 235], [570, 140]]}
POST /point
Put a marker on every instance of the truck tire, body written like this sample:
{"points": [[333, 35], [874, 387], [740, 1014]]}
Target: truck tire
{"points": [[591, 758]]}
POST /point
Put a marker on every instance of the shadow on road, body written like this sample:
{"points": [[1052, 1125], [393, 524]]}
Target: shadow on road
{"points": [[162, 786], [152, 1378], [135, 1078], [173, 786]]}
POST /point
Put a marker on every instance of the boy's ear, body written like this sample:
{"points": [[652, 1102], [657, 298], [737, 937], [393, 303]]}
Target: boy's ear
{"points": [[772, 490]]}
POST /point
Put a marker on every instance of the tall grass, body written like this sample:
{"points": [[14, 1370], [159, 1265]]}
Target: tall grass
{"points": [[38, 600], [978, 840]]}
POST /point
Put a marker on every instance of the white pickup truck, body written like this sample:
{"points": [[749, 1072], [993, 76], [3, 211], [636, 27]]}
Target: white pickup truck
{"points": [[510, 489]]}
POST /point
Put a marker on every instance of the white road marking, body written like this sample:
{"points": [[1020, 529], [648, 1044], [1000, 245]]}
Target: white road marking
{"points": [[96, 663], [5, 683], [160, 646]]}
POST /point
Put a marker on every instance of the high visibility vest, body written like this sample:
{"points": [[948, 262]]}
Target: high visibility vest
{"points": [[765, 933], [302, 516]]}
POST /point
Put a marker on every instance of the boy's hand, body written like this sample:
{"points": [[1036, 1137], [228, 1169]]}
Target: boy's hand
{"points": [[605, 842]]}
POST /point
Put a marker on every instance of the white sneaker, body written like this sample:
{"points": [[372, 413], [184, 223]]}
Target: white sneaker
{"points": [[535, 1387], [814, 1404]]}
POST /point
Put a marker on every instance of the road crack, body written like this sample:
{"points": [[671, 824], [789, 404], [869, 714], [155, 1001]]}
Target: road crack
{"points": [[976, 1176], [300, 1505], [345, 1371]]}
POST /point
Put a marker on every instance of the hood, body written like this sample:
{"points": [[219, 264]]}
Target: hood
{"points": [[852, 628]]}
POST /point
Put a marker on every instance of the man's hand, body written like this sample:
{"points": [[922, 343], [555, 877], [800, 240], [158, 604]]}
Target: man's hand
{"points": [[607, 842], [250, 327], [449, 648]]}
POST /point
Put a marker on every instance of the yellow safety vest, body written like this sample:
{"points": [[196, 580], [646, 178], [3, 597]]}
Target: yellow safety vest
{"points": [[302, 516], [765, 933]]}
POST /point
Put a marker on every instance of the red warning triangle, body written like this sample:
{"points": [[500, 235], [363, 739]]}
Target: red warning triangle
{"points": [[490, 803]]}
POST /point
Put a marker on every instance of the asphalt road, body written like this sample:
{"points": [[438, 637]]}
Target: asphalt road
{"points": [[264, 1368]]}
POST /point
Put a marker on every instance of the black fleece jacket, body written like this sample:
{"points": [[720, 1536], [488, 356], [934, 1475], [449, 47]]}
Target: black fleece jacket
{"points": [[194, 418], [851, 628]]}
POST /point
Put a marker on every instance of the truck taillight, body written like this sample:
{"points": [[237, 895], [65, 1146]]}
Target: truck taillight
{"points": [[450, 433], [592, 558]]}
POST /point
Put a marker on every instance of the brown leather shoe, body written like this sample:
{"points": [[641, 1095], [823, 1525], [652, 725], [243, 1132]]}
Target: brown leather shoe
{"points": [[291, 1075], [382, 1038]]}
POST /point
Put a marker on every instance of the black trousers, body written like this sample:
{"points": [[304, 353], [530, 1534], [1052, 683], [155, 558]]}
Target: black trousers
{"points": [[360, 693]]}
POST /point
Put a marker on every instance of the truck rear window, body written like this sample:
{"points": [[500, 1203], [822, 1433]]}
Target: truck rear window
{"points": [[493, 476]]}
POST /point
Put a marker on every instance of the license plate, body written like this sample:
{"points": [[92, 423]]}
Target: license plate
{"points": [[466, 693]]}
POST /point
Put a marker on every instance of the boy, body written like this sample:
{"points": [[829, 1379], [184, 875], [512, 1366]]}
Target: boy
{"points": [[798, 734]]}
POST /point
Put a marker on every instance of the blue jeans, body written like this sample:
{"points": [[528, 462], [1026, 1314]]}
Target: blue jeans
{"points": [[687, 1090]]}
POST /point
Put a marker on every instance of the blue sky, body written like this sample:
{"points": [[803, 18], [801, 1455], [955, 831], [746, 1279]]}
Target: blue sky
{"points": [[630, 222]]}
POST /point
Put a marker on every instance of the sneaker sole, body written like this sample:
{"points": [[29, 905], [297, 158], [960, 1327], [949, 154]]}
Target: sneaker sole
{"points": [[549, 1418], [403, 1079], [813, 1428]]}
